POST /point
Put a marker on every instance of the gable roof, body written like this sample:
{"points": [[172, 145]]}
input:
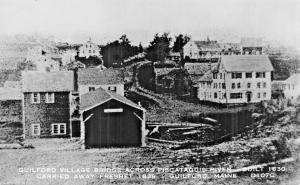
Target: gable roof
{"points": [[96, 76], [99, 96], [58, 81], [199, 68], [10, 94], [293, 79], [246, 63]]}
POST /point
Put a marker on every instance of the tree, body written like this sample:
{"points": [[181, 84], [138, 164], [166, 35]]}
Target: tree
{"points": [[116, 52], [159, 48], [141, 49], [180, 41]]}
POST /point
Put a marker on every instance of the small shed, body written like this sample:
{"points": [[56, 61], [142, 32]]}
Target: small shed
{"points": [[111, 120]]}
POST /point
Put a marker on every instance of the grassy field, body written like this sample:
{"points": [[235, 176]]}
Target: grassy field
{"points": [[65, 153]]}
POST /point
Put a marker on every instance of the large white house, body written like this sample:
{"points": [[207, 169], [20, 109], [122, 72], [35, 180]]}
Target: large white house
{"points": [[89, 49], [237, 79]]}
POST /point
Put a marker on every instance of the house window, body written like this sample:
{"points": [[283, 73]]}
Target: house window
{"points": [[221, 75], [215, 75], [232, 85], [265, 95], [58, 128], [215, 95], [248, 85], [90, 51], [260, 74], [248, 75], [36, 129], [49, 97], [92, 88], [264, 85], [238, 85], [258, 84], [35, 97], [236, 95], [112, 88], [223, 86], [258, 95], [236, 75]]}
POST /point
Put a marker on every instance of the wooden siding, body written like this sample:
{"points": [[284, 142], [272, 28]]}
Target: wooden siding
{"points": [[47, 113], [121, 129]]}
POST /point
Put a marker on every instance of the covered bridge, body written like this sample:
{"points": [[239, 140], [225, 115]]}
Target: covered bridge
{"points": [[111, 120]]}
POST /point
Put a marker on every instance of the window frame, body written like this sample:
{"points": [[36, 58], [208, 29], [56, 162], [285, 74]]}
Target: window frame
{"points": [[33, 129], [249, 75], [59, 128], [47, 97], [236, 75], [114, 87], [236, 95], [232, 85], [92, 88], [38, 97]]}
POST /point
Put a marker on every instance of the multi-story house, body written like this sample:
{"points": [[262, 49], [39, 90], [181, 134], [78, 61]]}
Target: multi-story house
{"points": [[89, 79], [201, 49], [47, 103], [89, 49], [237, 79]]}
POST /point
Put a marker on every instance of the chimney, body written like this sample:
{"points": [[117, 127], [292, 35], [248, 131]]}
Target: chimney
{"points": [[75, 73]]}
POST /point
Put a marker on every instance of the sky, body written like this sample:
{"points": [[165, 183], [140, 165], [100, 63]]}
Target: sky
{"points": [[107, 20]]}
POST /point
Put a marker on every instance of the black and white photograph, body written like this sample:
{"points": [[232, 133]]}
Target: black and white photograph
{"points": [[146, 92]]}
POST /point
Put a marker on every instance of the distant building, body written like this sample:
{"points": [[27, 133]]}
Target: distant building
{"points": [[290, 87], [252, 46], [90, 79], [10, 105], [237, 79], [13, 81], [230, 48], [44, 59], [201, 49], [47, 103], [89, 49]]}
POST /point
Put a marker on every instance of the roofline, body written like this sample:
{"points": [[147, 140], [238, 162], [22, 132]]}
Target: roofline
{"points": [[93, 106]]}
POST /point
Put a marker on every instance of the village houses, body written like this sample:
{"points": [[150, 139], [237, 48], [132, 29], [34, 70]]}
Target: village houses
{"points": [[201, 49], [237, 79]]}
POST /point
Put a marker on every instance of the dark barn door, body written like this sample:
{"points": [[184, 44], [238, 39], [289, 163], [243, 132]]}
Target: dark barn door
{"points": [[113, 129]]}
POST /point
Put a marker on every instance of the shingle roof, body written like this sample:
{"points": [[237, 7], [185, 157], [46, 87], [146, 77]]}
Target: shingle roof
{"points": [[10, 94], [96, 76], [58, 81], [246, 63], [99, 96], [207, 77], [198, 68]]}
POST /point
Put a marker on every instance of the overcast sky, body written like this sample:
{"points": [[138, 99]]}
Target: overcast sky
{"points": [[107, 20]]}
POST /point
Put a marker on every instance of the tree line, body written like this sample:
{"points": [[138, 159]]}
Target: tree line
{"points": [[114, 53]]}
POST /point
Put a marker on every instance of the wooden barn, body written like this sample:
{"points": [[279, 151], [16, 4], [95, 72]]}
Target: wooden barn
{"points": [[111, 120]]}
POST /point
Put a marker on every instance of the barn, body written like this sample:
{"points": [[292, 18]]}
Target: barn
{"points": [[111, 120]]}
